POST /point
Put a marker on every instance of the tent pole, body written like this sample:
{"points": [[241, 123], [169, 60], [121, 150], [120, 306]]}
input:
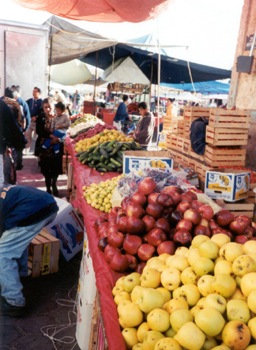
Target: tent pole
{"points": [[50, 65], [151, 79], [158, 81], [94, 90]]}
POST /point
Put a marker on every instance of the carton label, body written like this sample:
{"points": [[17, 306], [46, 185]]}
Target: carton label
{"points": [[139, 164], [46, 259]]}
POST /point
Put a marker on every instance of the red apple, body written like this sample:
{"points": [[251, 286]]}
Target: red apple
{"points": [[155, 210], [249, 232], [204, 222], [109, 252], [114, 210], [240, 224], [185, 224], [152, 198], [167, 247], [167, 212], [169, 189], [124, 203], [213, 225], [172, 233], [122, 224], [193, 216], [139, 198], [111, 221], [206, 211], [113, 228], [102, 230], [140, 267], [120, 215], [201, 230], [156, 236], [132, 261], [131, 244], [115, 239], [196, 204], [241, 239], [182, 237], [183, 206], [146, 251], [222, 230], [175, 197], [254, 224], [192, 195], [149, 222], [103, 242], [223, 217], [165, 200], [134, 210], [176, 216], [163, 224], [135, 226], [119, 262], [99, 221], [185, 198], [145, 238], [147, 185]]}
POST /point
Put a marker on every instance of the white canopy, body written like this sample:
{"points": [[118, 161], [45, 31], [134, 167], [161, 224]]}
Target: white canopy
{"points": [[70, 73]]}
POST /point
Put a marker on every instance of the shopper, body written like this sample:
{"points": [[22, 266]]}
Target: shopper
{"points": [[26, 113], [34, 105], [171, 109], [121, 113], [50, 163], [24, 211], [76, 100], [144, 131]]}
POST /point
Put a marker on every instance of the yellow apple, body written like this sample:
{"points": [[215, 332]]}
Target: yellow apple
{"points": [[142, 331], [170, 332], [176, 303], [150, 340], [203, 266], [189, 292], [220, 258], [130, 316], [204, 285], [170, 278], [209, 343], [210, 321], [209, 249], [165, 293], [216, 301], [243, 265], [201, 301], [249, 247], [220, 239], [179, 262], [137, 293], [198, 240], [251, 347], [120, 281], [252, 255], [130, 337], [150, 299], [230, 251], [224, 267], [238, 295], [238, 310], [158, 320], [223, 285], [190, 336], [252, 327], [251, 301], [183, 251], [167, 344], [117, 289], [138, 346], [151, 278], [236, 335], [189, 276], [194, 310], [155, 263], [248, 283], [120, 305], [164, 257], [193, 255], [179, 317], [131, 281], [121, 296], [221, 347]]}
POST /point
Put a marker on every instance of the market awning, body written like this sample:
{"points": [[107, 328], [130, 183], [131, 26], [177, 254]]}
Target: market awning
{"points": [[70, 73], [101, 10], [206, 87]]}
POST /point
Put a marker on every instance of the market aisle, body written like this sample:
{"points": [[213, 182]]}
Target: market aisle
{"points": [[50, 298]]}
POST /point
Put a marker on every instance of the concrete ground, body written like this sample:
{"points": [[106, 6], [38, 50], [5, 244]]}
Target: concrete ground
{"points": [[50, 322]]}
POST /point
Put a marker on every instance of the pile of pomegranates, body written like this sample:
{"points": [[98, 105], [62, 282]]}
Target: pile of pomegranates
{"points": [[150, 223]]}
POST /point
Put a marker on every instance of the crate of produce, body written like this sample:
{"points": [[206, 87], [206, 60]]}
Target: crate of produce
{"points": [[108, 118], [179, 145], [251, 193], [196, 156], [177, 125], [226, 137], [169, 140], [243, 207], [186, 132], [43, 254], [229, 118], [201, 169], [174, 142], [186, 147], [221, 156], [192, 113]]}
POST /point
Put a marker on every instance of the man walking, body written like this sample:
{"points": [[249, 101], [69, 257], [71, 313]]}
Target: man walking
{"points": [[34, 105]]}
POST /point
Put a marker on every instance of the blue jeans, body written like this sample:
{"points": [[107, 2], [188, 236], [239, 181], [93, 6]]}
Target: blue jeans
{"points": [[56, 146], [14, 258]]}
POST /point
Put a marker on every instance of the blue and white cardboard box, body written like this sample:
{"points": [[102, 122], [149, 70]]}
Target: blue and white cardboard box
{"points": [[68, 228], [135, 161], [228, 184]]}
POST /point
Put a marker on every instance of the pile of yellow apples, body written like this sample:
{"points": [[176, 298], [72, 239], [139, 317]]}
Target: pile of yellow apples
{"points": [[202, 297]]}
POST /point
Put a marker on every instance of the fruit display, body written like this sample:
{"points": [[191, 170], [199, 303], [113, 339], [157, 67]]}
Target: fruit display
{"points": [[151, 223], [86, 121], [99, 195], [107, 156], [105, 136], [202, 297], [92, 131]]}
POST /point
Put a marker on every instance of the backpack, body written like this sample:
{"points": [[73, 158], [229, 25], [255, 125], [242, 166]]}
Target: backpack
{"points": [[197, 135]]}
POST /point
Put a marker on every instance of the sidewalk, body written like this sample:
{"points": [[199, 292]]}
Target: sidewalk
{"points": [[50, 322]]}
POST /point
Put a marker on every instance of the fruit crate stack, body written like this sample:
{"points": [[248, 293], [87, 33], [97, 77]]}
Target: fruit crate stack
{"points": [[191, 114], [167, 123]]}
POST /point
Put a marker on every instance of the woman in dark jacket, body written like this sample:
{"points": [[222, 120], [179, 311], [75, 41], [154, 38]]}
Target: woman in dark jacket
{"points": [[50, 163]]}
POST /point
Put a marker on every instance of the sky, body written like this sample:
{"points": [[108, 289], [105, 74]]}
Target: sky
{"points": [[209, 27]]}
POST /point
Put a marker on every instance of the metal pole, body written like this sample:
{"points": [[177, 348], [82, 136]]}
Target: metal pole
{"points": [[94, 91], [158, 80], [50, 64], [151, 79]]}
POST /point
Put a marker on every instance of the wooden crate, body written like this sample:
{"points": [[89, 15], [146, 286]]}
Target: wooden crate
{"points": [[43, 254], [98, 339], [186, 147], [201, 169], [252, 194], [186, 133], [226, 137], [217, 156], [228, 118], [179, 146], [174, 142], [192, 113], [177, 125], [196, 156], [239, 208]]}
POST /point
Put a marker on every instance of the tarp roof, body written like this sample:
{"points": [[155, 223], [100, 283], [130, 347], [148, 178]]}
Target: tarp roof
{"points": [[101, 10], [70, 73], [206, 87]]}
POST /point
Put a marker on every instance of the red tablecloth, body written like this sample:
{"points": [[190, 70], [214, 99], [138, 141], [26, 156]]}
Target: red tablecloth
{"points": [[105, 277]]}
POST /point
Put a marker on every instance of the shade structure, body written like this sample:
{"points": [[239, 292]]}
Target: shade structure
{"points": [[206, 87], [70, 73], [111, 11]]}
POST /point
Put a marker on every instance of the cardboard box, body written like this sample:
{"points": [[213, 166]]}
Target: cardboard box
{"points": [[68, 228], [229, 184], [139, 160]]}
